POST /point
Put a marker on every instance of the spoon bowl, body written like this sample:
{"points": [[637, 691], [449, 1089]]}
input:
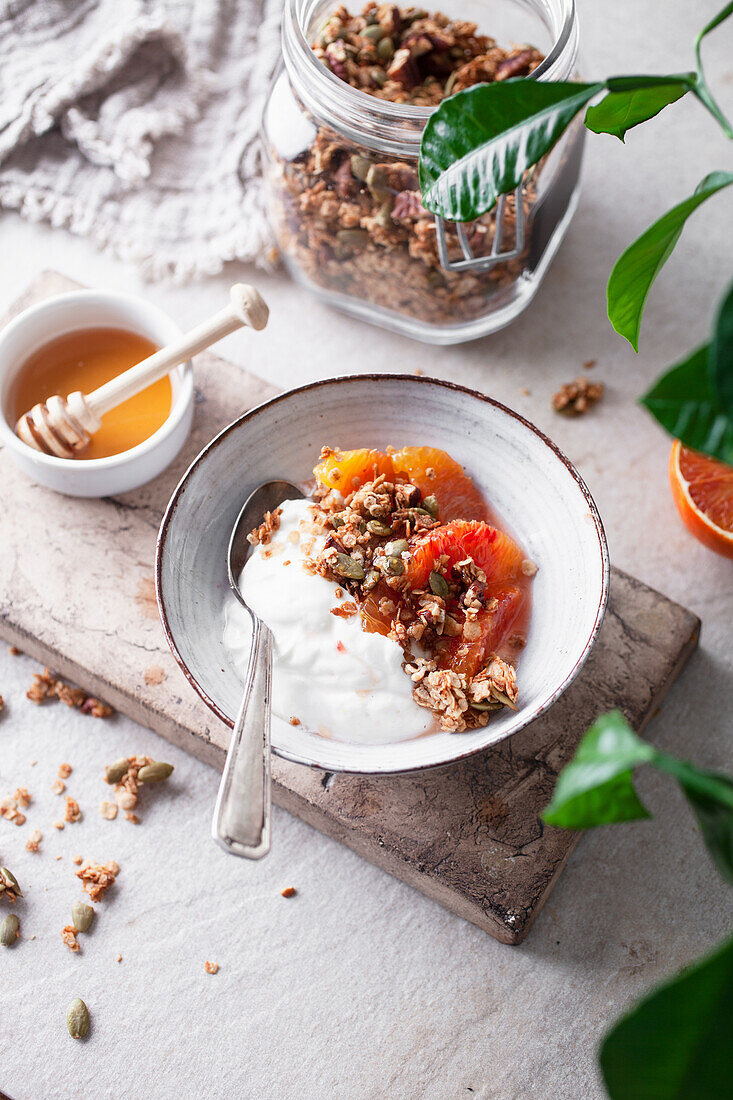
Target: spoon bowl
{"points": [[241, 822]]}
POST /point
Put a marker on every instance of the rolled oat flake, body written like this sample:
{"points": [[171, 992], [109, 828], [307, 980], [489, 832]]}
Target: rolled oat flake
{"points": [[77, 1019]]}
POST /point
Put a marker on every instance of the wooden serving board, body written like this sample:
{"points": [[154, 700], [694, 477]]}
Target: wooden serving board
{"points": [[76, 592]]}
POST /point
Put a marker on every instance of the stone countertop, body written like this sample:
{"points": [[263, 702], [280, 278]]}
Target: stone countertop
{"points": [[358, 986]]}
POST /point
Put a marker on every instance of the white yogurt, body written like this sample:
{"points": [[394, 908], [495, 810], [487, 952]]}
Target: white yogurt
{"points": [[337, 679]]}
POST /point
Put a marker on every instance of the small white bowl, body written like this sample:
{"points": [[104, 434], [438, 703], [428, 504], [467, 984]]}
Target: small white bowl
{"points": [[82, 309], [534, 488]]}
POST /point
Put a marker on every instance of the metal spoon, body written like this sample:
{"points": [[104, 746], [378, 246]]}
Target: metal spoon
{"points": [[241, 823]]}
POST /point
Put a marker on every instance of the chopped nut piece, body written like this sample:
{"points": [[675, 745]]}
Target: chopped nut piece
{"points": [[64, 771], [108, 810], [98, 877], [289, 892], [576, 397], [73, 813], [211, 968], [34, 840], [68, 935]]}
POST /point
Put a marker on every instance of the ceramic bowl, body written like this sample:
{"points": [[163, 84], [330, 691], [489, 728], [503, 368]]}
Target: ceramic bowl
{"points": [[533, 486], [82, 309]]}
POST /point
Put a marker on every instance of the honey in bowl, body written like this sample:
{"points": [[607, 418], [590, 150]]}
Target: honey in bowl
{"points": [[84, 360]]}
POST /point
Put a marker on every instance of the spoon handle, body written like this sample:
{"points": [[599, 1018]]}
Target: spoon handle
{"points": [[241, 822]]}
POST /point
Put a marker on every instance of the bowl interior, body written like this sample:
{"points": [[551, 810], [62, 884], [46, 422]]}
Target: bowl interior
{"points": [[534, 489]]}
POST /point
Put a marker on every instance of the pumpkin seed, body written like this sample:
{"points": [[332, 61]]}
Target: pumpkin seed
{"points": [[378, 76], [114, 773], [396, 566], [385, 49], [384, 214], [77, 1019], [355, 239], [348, 567], [8, 881], [82, 916], [430, 505], [337, 521], [155, 772], [376, 181], [395, 548], [450, 82], [376, 527], [373, 32], [9, 930], [360, 167], [504, 699], [439, 585], [487, 706]]}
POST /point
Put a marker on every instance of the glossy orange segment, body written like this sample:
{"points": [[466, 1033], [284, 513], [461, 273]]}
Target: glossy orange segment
{"points": [[470, 657], [702, 488], [492, 550], [437, 474], [346, 470]]}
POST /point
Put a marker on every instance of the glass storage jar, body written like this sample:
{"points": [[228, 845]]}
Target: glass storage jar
{"points": [[343, 198]]}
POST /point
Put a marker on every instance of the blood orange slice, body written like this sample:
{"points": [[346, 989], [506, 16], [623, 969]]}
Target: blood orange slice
{"points": [[346, 470], [470, 656], [457, 496], [702, 488], [492, 550]]}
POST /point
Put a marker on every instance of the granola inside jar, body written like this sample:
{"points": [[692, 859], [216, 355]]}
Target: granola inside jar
{"points": [[342, 131]]}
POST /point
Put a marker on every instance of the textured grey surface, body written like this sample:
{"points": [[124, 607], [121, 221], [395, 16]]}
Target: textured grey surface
{"points": [[360, 987]]}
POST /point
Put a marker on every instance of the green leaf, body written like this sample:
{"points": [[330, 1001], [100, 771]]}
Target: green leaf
{"points": [[636, 269], [595, 788], [710, 795], [677, 1043], [618, 112], [479, 143], [701, 89], [721, 354], [685, 403]]}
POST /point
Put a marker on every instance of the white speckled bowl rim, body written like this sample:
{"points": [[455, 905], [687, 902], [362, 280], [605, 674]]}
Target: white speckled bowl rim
{"points": [[448, 747]]}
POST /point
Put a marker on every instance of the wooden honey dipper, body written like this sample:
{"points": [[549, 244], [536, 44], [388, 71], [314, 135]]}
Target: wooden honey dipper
{"points": [[63, 426]]}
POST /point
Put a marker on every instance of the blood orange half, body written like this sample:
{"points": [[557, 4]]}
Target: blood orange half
{"points": [[702, 488]]}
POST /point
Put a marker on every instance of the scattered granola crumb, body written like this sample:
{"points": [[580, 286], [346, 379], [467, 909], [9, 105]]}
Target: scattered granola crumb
{"points": [[589, 364], [211, 968], [58, 786], [289, 892], [525, 392], [73, 813], [64, 771], [98, 877], [9, 809], [58, 858], [14, 651], [154, 675], [119, 958], [529, 568], [2, 702], [59, 825], [33, 763], [418, 371], [22, 797], [262, 534], [46, 686], [34, 840], [68, 935], [294, 721], [133, 818], [96, 708], [108, 810], [77, 860], [575, 398]]}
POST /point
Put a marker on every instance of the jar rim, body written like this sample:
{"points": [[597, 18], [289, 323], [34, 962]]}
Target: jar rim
{"points": [[379, 122]]}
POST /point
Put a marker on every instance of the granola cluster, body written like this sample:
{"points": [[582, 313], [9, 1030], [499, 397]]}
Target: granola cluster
{"points": [[46, 686], [97, 878], [371, 533], [353, 221]]}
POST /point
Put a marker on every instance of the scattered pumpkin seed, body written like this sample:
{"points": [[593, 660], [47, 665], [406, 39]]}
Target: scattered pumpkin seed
{"points": [[395, 548], [77, 1019], [155, 772], [385, 49], [9, 930], [114, 773], [360, 167], [8, 881], [349, 567], [376, 527], [439, 585], [430, 505], [373, 32], [355, 239], [82, 916], [396, 566]]}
